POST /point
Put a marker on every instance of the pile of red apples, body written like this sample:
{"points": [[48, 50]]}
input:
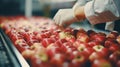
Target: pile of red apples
{"points": [[44, 44]]}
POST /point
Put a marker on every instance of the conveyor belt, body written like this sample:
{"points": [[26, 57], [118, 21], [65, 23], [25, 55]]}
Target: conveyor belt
{"points": [[9, 55]]}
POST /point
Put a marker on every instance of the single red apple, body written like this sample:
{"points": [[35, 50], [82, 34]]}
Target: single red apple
{"points": [[112, 35], [114, 57], [47, 41], [78, 59], [59, 42], [93, 43], [57, 59], [101, 63], [113, 48], [98, 48], [118, 39], [99, 38], [27, 54], [91, 33], [118, 63], [96, 55], [21, 45], [67, 47], [82, 37], [109, 42], [35, 61], [51, 51]]}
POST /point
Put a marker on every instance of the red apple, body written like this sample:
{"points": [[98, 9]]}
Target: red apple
{"points": [[9, 29], [96, 55], [68, 50], [32, 41], [26, 35], [98, 48], [66, 35], [89, 51], [70, 38], [93, 43], [63, 35], [56, 32], [78, 43], [99, 38], [57, 59], [118, 63], [113, 35], [43, 35], [78, 59], [67, 47], [101, 63], [5, 26], [101, 49], [82, 37], [59, 42], [91, 33], [109, 42], [118, 39], [69, 30], [42, 54], [37, 62], [113, 48], [66, 64], [40, 36], [21, 45], [52, 45], [36, 46], [27, 54], [16, 37], [114, 57], [81, 31], [51, 51], [75, 31], [47, 41], [81, 47]]}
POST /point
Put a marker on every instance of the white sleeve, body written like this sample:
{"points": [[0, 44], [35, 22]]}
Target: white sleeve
{"points": [[100, 11], [80, 3]]}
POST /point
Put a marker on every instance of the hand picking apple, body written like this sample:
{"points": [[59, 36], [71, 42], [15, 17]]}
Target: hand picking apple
{"points": [[68, 18]]}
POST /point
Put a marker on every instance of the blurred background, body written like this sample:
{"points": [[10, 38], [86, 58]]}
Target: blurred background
{"points": [[30, 8]]}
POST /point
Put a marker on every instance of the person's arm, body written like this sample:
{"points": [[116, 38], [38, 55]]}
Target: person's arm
{"points": [[80, 3], [79, 9], [79, 13], [98, 11], [65, 17]]}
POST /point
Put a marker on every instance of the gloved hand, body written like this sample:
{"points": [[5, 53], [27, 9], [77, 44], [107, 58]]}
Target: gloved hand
{"points": [[65, 17]]}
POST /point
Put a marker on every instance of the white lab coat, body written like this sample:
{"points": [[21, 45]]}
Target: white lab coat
{"points": [[101, 11]]}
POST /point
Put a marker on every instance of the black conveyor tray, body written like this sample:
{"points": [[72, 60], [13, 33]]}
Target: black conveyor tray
{"points": [[9, 55]]}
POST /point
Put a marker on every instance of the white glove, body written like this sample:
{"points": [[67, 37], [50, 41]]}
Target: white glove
{"points": [[65, 17]]}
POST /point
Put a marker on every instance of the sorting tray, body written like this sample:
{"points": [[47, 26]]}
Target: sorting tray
{"points": [[9, 55]]}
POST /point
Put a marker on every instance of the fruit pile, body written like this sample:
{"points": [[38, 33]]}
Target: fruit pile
{"points": [[44, 44]]}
